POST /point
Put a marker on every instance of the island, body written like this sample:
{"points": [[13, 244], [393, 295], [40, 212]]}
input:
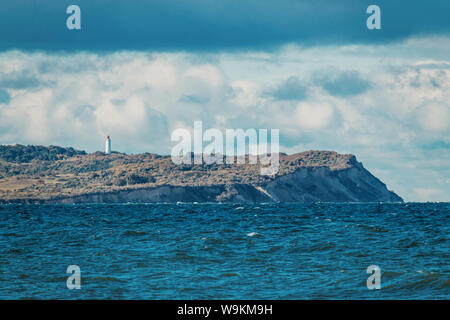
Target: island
{"points": [[40, 174]]}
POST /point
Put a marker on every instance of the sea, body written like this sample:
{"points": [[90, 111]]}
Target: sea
{"points": [[225, 251]]}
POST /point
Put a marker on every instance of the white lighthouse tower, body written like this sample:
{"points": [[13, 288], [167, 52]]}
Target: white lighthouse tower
{"points": [[108, 145]]}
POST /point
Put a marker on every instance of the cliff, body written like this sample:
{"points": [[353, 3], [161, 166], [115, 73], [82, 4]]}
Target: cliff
{"points": [[65, 175]]}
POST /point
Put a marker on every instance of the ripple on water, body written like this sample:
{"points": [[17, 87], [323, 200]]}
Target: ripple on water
{"points": [[134, 233]]}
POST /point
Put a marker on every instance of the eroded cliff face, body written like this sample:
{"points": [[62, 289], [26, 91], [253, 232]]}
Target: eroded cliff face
{"points": [[159, 194], [322, 184], [354, 184]]}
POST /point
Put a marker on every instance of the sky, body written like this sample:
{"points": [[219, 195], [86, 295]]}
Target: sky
{"points": [[137, 70]]}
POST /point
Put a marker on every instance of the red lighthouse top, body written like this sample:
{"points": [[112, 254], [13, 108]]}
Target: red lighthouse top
{"points": [[107, 137]]}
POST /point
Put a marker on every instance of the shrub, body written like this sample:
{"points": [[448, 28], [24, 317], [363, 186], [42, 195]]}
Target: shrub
{"points": [[120, 182], [136, 179]]}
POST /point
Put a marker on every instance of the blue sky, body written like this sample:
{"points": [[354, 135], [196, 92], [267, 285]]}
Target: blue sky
{"points": [[139, 69]]}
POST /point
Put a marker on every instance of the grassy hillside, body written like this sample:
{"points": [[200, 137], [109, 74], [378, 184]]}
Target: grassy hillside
{"points": [[48, 172]]}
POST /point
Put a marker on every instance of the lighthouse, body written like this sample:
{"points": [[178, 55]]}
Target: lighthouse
{"points": [[108, 145]]}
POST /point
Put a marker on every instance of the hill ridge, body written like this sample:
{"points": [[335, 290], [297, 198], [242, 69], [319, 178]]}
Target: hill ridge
{"points": [[38, 173]]}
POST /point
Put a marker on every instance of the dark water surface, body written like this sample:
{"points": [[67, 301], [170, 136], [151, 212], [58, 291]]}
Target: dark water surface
{"points": [[225, 251]]}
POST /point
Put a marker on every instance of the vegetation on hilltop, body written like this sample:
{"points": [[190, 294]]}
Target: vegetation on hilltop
{"points": [[19, 153]]}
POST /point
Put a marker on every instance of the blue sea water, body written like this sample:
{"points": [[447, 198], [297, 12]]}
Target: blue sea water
{"points": [[225, 251]]}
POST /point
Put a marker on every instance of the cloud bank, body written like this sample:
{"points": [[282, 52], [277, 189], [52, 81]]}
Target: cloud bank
{"points": [[394, 115]]}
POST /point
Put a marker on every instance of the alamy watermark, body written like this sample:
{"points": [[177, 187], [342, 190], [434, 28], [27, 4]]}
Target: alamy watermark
{"points": [[74, 280], [374, 281], [73, 22], [374, 20], [236, 150]]}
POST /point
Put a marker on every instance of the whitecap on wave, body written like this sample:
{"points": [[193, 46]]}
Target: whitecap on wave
{"points": [[253, 234]]}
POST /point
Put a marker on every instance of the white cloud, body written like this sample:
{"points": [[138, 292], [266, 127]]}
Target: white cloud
{"points": [[435, 117], [247, 94], [312, 116]]}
